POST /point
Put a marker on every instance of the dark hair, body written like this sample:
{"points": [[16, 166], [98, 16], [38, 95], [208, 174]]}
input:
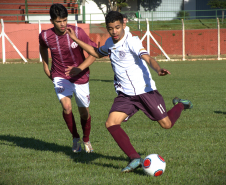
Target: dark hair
{"points": [[125, 16], [58, 10], [113, 16]]}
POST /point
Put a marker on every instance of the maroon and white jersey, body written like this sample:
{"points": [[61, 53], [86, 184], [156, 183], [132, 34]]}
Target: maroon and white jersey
{"points": [[65, 52]]}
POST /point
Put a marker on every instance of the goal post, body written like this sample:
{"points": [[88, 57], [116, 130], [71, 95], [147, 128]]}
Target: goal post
{"points": [[3, 35], [3, 42], [39, 30], [183, 39], [218, 41], [148, 35]]}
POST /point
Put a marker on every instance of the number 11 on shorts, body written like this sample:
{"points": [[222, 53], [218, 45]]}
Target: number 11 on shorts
{"points": [[161, 108]]}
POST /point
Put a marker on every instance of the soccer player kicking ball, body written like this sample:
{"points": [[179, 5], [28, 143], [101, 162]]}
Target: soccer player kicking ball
{"points": [[68, 56], [133, 83]]}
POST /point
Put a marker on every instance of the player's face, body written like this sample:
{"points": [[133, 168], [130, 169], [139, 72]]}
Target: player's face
{"points": [[60, 25], [116, 30], [124, 20]]}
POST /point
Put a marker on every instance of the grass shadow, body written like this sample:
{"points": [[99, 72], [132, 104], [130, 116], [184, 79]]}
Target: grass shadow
{"points": [[36, 144], [99, 80], [204, 24], [219, 112]]}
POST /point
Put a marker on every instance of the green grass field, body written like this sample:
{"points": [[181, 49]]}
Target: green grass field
{"points": [[175, 24], [36, 144]]}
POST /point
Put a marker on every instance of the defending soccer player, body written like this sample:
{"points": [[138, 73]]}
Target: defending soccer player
{"points": [[125, 20], [66, 54], [133, 83]]}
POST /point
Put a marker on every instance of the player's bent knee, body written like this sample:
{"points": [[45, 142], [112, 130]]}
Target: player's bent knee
{"points": [[165, 124]]}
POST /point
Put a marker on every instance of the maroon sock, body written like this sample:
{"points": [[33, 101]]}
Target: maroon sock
{"points": [[70, 121], [175, 112], [86, 127], [123, 141]]}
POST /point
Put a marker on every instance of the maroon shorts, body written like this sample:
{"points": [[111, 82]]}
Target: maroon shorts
{"points": [[151, 103]]}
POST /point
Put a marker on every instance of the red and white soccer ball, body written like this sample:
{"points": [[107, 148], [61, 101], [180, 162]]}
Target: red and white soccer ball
{"points": [[154, 165]]}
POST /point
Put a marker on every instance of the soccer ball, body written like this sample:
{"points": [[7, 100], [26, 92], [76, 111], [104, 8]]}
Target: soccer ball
{"points": [[154, 165]]}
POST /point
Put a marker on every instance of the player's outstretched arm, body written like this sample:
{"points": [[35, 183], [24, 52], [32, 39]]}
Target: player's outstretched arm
{"points": [[89, 49], [73, 71], [45, 58], [154, 65]]}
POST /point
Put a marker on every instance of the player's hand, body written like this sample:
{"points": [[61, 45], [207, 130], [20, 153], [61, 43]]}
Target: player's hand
{"points": [[50, 77], [72, 71], [49, 74], [163, 72], [71, 33]]}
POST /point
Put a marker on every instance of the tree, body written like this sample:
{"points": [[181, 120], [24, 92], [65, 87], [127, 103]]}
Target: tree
{"points": [[221, 4], [149, 5], [117, 5]]}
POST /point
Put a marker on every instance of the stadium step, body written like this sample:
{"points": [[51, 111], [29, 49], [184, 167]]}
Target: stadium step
{"points": [[14, 10]]}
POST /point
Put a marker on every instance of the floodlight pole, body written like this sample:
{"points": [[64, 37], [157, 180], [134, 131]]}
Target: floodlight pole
{"points": [[148, 34]]}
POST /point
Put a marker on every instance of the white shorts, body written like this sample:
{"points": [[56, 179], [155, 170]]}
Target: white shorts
{"points": [[65, 88]]}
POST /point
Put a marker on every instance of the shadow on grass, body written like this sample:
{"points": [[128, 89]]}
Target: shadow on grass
{"points": [[99, 80], [204, 24], [219, 112], [82, 157]]}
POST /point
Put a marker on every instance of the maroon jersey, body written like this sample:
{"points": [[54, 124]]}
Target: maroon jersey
{"points": [[65, 52]]}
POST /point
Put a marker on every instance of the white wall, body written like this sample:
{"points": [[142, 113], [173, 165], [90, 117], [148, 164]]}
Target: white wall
{"points": [[168, 10], [93, 12]]}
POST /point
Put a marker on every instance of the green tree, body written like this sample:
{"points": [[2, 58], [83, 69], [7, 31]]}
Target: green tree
{"points": [[111, 5], [117, 5], [221, 4]]}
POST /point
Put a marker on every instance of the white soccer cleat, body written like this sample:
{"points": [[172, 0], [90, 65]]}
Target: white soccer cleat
{"points": [[88, 147], [76, 147]]}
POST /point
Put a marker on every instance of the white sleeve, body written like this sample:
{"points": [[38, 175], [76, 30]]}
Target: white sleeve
{"points": [[137, 47], [127, 28], [103, 50]]}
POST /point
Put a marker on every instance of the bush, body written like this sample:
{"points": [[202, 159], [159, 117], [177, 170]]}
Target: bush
{"points": [[183, 15]]}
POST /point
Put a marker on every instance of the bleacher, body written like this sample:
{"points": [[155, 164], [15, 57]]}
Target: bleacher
{"points": [[15, 11]]}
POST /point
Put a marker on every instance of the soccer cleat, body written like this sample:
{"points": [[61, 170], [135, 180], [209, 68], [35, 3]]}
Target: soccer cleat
{"points": [[133, 164], [187, 103], [76, 145], [88, 147]]}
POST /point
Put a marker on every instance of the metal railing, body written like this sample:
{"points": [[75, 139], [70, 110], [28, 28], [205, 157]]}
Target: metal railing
{"points": [[159, 20]]}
